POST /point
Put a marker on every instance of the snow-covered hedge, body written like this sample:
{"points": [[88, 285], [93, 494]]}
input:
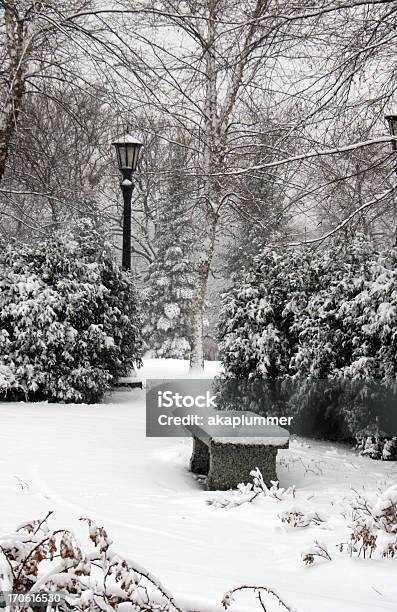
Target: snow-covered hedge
{"points": [[319, 315], [68, 318]]}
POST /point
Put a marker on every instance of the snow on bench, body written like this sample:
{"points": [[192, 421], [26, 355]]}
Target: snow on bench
{"points": [[228, 460], [131, 381]]}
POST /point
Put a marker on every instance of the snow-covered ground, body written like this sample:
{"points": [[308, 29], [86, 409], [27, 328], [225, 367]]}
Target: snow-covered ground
{"points": [[96, 461]]}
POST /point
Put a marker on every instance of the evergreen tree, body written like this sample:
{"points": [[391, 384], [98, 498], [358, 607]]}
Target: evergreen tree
{"points": [[168, 295], [326, 321], [257, 314]]}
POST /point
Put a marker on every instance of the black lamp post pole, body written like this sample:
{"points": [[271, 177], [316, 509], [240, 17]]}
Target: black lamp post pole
{"points": [[127, 188]]}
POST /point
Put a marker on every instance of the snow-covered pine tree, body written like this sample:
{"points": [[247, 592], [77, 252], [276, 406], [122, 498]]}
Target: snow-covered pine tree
{"points": [[325, 335], [167, 297], [347, 335], [69, 320], [326, 320], [257, 314]]}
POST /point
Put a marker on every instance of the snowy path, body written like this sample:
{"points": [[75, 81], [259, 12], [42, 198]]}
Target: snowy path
{"points": [[96, 461]]}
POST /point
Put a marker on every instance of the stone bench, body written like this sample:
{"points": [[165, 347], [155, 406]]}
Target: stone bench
{"points": [[227, 461], [131, 382]]}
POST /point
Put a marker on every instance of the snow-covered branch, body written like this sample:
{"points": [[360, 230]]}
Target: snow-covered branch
{"points": [[346, 221], [309, 155]]}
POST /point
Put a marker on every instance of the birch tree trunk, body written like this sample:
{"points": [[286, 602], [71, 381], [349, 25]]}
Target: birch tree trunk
{"points": [[211, 187], [198, 304], [18, 49], [197, 352]]}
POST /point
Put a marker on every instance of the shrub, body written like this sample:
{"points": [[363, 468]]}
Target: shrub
{"points": [[248, 492], [378, 448], [317, 550], [323, 322], [347, 337], [69, 321], [40, 563], [257, 315], [374, 526], [298, 517]]}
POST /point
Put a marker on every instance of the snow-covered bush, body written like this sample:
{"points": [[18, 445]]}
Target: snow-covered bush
{"points": [[389, 450], [257, 314], [243, 494], [40, 562], [374, 526], [7, 380], [347, 336], [317, 550], [68, 318], [297, 517], [323, 322], [274, 490], [248, 492], [378, 448]]}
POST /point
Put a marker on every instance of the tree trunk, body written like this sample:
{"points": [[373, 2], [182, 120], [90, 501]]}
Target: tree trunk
{"points": [[18, 52], [197, 351], [211, 189]]}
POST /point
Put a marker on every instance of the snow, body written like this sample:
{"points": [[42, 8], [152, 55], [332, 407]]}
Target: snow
{"points": [[95, 461], [253, 441]]}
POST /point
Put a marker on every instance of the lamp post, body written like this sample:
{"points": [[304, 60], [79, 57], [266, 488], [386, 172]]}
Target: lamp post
{"points": [[127, 149]]}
